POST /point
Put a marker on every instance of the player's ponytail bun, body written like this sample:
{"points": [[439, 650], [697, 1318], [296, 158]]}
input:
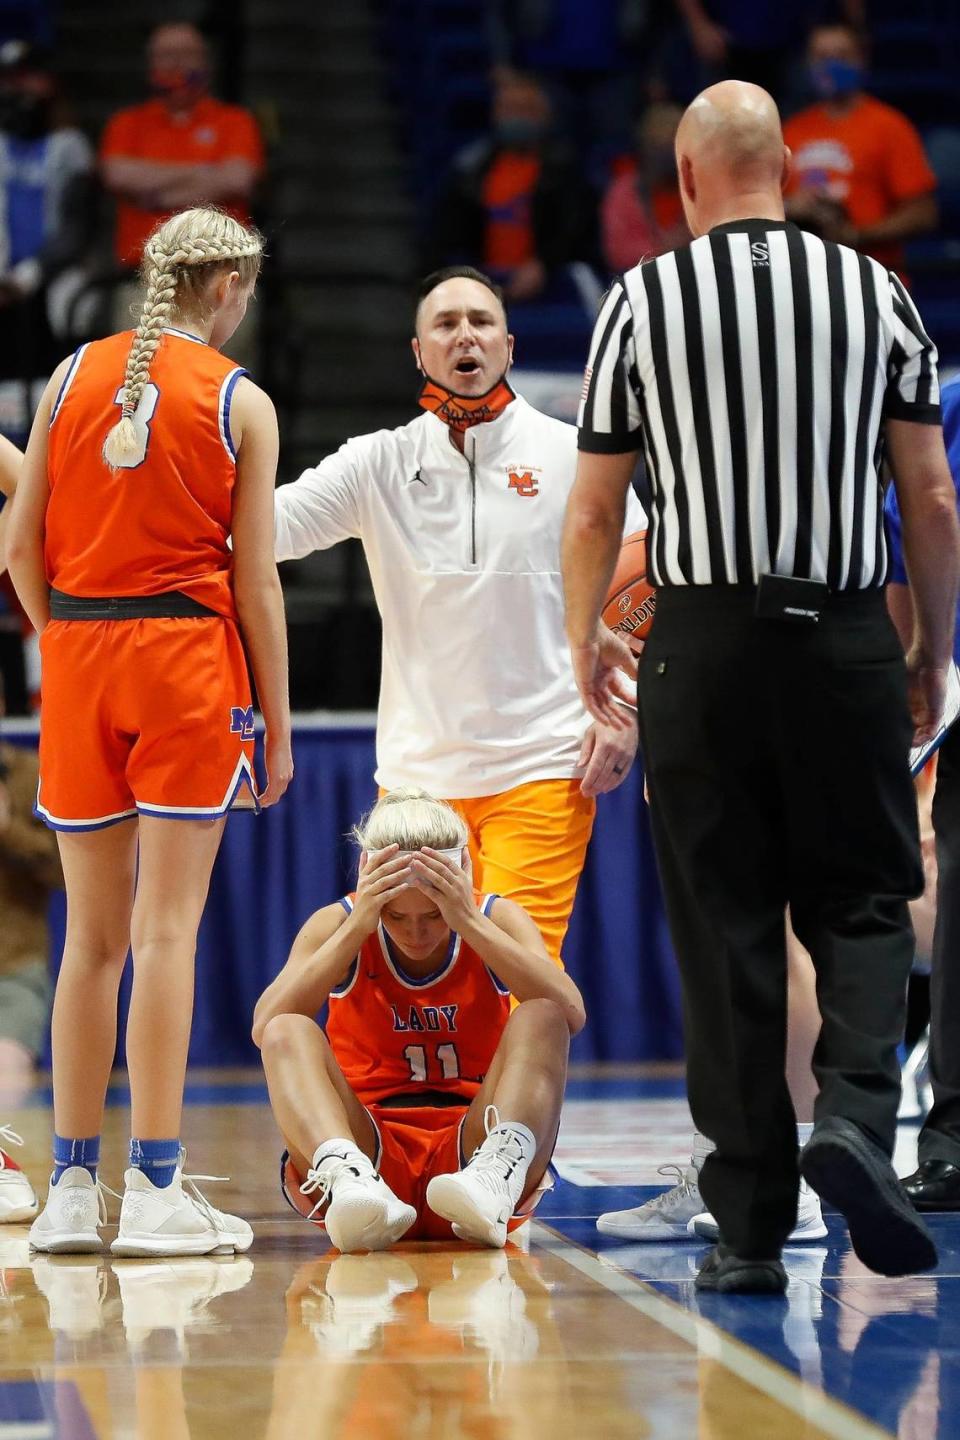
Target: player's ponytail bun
{"points": [[179, 261], [411, 818]]}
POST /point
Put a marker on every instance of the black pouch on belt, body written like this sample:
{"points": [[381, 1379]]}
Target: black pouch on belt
{"points": [[781, 597]]}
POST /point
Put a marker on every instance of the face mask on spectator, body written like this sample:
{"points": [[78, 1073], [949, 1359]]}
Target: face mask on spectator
{"points": [[24, 116], [519, 133], [833, 79], [176, 82]]}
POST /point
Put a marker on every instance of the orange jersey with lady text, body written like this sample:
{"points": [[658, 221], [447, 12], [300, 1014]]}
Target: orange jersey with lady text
{"points": [[395, 1035], [161, 523]]}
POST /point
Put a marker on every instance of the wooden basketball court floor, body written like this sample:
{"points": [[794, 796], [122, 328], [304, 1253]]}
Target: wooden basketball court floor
{"points": [[566, 1334]]}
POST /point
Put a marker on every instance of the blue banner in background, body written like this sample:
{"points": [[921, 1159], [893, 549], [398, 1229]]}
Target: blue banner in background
{"points": [[275, 869]]}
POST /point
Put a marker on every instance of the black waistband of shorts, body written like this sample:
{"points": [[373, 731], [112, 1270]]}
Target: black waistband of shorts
{"points": [[687, 598], [435, 1099], [171, 605]]}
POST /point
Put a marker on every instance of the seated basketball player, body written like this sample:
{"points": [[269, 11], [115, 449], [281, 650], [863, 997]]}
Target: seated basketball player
{"points": [[427, 1108]]}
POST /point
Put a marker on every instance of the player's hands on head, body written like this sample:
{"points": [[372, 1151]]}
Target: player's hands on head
{"points": [[384, 874], [449, 887], [278, 758], [604, 670]]}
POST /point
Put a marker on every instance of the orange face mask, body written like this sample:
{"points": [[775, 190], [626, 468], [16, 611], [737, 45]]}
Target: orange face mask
{"points": [[462, 411]]}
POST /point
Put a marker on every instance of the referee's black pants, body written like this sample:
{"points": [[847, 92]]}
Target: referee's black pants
{"points": [[940, 1136], [776, 756]]}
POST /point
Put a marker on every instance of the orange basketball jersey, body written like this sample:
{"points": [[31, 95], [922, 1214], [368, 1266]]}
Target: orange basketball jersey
{"points": [[161, 523], [394, 1035]]}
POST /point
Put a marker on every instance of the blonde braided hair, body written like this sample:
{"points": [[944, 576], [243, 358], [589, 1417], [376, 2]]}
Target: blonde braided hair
{"points": [[180, 259]]}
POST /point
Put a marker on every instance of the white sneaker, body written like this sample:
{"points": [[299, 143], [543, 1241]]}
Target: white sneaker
{"points": [[74, 1291], [810, 1224], [69, 1222], [665, 1217], [175, 1297], [18, 1200], [479, 1199], [363, 1213], [169, 1220]]}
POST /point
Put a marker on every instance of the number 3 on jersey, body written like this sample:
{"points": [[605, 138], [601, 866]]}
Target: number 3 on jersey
{"points": [[141, 423]]}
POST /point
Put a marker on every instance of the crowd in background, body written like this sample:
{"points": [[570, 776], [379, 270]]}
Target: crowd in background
{"points": [[571, 178]]}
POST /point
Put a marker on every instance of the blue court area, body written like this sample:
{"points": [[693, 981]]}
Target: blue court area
{"points": [[887, 1349]]}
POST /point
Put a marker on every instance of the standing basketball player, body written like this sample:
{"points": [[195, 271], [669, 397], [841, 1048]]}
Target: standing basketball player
{"points": [[460, 513], [148, 451]]}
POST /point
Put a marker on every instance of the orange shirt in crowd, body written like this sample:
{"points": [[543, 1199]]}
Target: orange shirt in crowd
{"points": [[870, 160], [508, 191], [209, 134]]}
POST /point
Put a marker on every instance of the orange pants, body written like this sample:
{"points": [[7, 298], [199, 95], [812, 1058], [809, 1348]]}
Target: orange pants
{"points": [[529, 844]]}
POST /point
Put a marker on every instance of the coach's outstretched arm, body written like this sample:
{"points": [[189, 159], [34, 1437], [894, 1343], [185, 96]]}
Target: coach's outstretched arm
{"points": [[931, 551], [319, 509]]}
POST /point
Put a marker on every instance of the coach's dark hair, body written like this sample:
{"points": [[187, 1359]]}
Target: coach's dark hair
{"points": [[458, 272]]}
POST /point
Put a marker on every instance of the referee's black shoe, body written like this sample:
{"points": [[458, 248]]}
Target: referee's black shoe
{"points": [[851, 1172], [934, 1185], [732, 1275]]}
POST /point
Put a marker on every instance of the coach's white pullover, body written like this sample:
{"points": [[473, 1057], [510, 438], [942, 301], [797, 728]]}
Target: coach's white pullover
{"points": [[477, 693]]}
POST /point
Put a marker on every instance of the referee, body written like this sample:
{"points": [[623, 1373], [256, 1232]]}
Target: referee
{"points": [[764, 373]]}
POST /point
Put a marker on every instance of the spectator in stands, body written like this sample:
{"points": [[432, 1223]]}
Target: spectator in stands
{"points": [[29, 871], [179, 149], [46, 194], [754, 40], [860, 175], [642, 214], [516, 204], [589, 57]]}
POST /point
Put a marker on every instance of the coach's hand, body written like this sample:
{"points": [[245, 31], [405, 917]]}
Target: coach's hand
{"points": [[603, 671], [449, 887], [608, 754], [278, 757], [927, 694]]}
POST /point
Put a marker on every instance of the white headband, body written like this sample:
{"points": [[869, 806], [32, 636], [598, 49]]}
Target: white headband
{"points": [[455, 855]]}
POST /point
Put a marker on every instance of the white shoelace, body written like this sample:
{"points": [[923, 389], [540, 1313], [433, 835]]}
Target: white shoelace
{"points": [[12, 1138], [682, 1189], [214, 1215], [320, 1181], [493, 1166]]}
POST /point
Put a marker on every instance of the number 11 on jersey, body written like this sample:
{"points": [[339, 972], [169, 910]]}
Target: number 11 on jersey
{"points": [[449, 1061]]}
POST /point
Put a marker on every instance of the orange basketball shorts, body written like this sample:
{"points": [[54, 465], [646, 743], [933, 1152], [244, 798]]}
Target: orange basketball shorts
{"points": [[528, 844], [149, 717], [414, 1145]]}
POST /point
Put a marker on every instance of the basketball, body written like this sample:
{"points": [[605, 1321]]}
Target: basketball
{"points": [[631, 600]]}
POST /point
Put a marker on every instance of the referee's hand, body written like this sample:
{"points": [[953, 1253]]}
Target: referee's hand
{"points": [[927, 694], [603, 671]]}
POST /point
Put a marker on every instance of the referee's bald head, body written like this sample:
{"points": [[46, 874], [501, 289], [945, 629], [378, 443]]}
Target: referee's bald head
{"points": [[729, 145]]}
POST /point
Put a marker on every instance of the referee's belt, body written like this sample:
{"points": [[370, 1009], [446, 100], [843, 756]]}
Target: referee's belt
{"points": [[171, 605]]}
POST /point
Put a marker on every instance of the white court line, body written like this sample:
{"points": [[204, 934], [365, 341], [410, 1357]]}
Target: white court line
{"points": [[708, 1340]]}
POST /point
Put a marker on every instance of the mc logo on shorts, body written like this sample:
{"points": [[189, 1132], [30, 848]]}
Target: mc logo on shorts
{"points": [[241, 721]]}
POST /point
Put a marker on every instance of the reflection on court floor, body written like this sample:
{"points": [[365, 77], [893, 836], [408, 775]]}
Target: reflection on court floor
{"points": [[564, 1334]]}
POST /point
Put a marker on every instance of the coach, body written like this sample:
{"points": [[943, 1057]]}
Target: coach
{"points": [[764, 372], [460, 513]]}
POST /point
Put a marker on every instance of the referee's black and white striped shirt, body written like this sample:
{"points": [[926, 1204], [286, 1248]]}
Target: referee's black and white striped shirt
{"points": [[754, 368]]}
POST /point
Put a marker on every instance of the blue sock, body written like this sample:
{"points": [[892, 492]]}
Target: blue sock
{"points": [[75, 1152], [156, 1158]]}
